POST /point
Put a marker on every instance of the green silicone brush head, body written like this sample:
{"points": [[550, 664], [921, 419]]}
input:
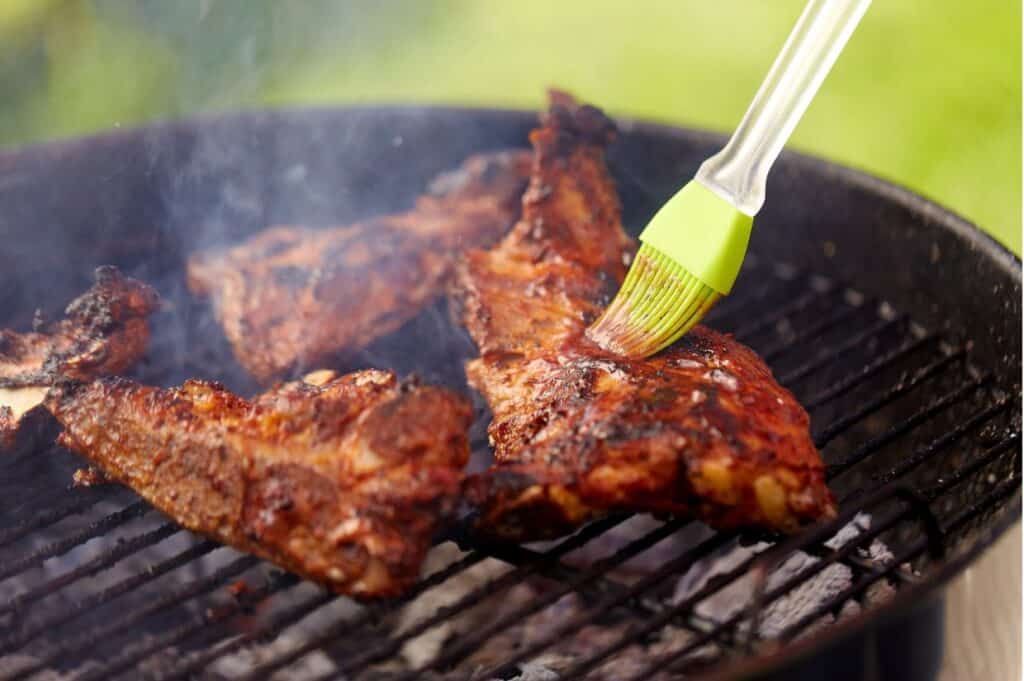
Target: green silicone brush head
{"points": [[658, 303], [690, 256]]}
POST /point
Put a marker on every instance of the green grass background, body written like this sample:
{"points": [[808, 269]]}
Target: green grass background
{"points": [[928, 92]]}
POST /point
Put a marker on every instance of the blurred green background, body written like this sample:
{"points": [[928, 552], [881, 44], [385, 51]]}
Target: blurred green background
{"points": [[928, 93]]}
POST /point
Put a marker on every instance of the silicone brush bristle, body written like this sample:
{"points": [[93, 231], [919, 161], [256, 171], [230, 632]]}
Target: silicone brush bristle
{"points": [[658, 303]]}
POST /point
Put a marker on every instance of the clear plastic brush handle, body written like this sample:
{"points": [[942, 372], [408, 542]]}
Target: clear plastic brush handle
{"points": [[739, 171]]}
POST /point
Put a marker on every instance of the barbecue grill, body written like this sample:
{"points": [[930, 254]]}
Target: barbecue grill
{"points": [[896, 323]]}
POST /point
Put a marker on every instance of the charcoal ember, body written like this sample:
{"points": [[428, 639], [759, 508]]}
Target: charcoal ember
{"points": [[646, 562], [806, 598], [10, 665], [423, 649], [574, 645], [531, 671]]}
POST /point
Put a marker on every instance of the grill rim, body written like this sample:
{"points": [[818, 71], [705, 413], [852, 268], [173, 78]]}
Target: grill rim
{"points": [[908, 598], [890, 190]]}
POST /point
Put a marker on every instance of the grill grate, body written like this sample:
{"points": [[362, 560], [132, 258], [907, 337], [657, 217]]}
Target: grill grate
{"points": [[912, 433]]}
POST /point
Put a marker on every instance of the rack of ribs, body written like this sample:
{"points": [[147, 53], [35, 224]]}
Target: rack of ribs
{"points": [[292, 299], [341, 479], [701, 429], [104, 331]]}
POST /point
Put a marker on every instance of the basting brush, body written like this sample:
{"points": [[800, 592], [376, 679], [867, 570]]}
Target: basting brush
{"points": [[691, 251]]}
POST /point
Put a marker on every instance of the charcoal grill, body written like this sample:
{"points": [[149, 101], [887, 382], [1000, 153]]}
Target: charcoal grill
{"points": [[894, 321]]}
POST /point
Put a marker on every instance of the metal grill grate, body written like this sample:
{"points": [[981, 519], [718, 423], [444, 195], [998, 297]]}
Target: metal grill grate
{"points": [[96, 585]]}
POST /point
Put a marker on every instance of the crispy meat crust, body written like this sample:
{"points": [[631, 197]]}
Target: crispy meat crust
{"points": [[104, 331], [291, 298], [343, 480], [701, 429]]}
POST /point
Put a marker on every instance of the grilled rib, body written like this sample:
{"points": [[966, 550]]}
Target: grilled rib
{"points": [[290, 299], [104, 331], [701, 429], [343, 480]]}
